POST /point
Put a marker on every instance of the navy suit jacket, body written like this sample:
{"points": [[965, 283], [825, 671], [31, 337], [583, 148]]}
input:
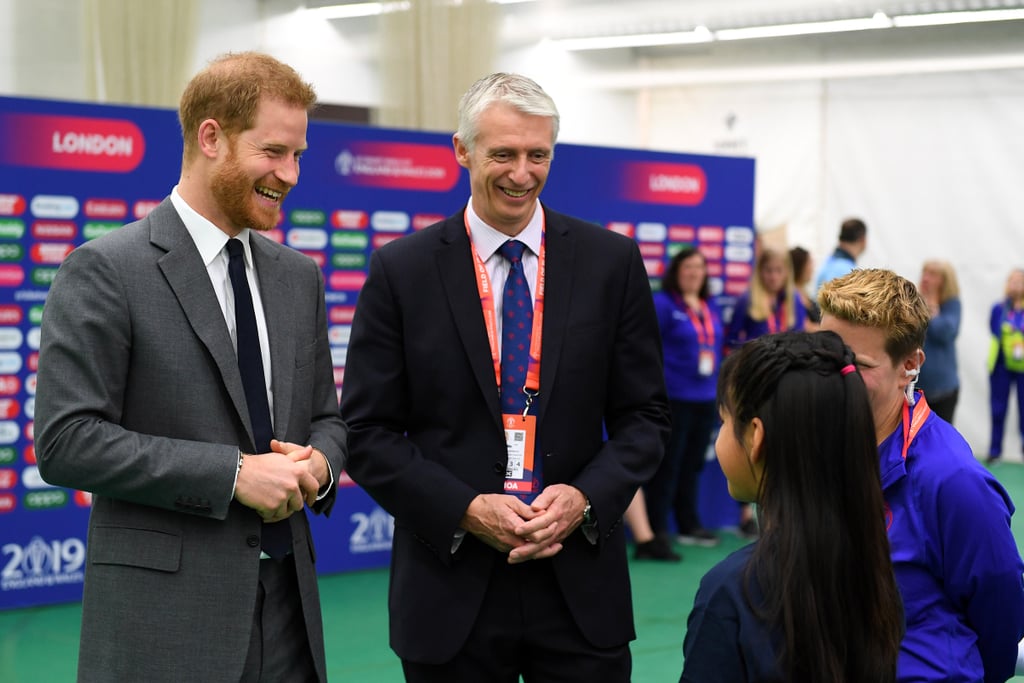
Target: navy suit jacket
{"points": [[425, 431]]}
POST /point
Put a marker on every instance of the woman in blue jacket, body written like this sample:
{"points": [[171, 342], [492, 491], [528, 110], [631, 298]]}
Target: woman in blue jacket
{"points": [[940, 379]]}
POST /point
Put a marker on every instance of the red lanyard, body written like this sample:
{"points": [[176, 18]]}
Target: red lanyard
{"points": [[705, 333], [483, 284], [777, 320], [911, 426]]}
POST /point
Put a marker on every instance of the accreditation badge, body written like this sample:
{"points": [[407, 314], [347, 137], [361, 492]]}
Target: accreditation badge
{"points": [[706, 363], [520, 435], [1018, 351]]}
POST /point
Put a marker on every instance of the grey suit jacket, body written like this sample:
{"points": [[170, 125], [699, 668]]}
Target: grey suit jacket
{"points": [[139, 400]]}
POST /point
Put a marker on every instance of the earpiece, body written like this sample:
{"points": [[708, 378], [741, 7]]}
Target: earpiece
{"points": [[912, 372]]}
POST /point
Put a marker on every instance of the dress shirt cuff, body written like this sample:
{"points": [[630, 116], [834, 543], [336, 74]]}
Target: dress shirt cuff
{"points": [[457, 539], [326, 488]]}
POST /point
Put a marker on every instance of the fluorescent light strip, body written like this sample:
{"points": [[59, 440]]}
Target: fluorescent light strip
{"points": [[968, 17], [807, 28], [698, 35], [370, 9], [702, 35]]}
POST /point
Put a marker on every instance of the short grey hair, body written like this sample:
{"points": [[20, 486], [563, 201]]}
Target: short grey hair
{"points": [[515, 90]]}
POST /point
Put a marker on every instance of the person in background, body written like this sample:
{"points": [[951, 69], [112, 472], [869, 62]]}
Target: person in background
{"points": [[770, 305], [940, 379], [1006, 360], [183, 359], [482, 431], [815, 598], [853, 240], [955, 556], [802, 266], [691, 341], [648, 545]]}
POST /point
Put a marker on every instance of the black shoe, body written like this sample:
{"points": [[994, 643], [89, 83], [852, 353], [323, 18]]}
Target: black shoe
{"points": [[699, 536], [656, 549], [748, 529], [992, 460]]}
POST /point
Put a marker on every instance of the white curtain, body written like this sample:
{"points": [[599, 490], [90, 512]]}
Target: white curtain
{"points": [[431, 52], [139, 52]]}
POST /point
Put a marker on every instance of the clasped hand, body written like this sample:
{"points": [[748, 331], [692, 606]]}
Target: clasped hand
{"points": [[526, 532], [278, 483]]}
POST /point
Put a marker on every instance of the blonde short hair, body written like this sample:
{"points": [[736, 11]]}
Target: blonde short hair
{"points": [[950, 287], [878, 298]]}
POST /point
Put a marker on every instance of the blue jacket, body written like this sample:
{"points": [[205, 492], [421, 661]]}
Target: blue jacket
{"points": [[681, 349], [955, 558], [939, 374], [838, 264], [742, 328]]}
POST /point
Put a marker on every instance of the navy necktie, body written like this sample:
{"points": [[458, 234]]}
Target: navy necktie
{"points": [[277, 536], [516, 329]]}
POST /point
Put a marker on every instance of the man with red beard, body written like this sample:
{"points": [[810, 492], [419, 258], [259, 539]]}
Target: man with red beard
{"points": [[185, 379]]}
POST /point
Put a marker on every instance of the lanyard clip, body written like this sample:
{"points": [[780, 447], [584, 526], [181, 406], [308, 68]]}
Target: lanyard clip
{"points": [[529, 399]]}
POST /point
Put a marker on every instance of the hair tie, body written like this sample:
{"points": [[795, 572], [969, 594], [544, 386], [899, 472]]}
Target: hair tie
{"points": [[847, 369]]}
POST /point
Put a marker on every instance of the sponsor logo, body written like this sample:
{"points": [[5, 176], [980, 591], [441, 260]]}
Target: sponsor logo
{"points": [[735, 287], [71, 142], [54, 206], [11, 251], [307, 217], [739, 234], [350, 260], [350, 240], [739, 252], [738, 270], [373, 531], [105, 208], [8, 432], [83, 499], [351, 220], [54, 230], [94, 229], [43, 276], [682, 233], [41, 563], [398, 166], [11, 205], [317, 257], [338, 356], [10, 363], [339, 376], [424, 220], [651, 232], [31, 478], [341, 315], [35, 314], [710, 233], [8, 455], [9, 386], [276, 235], [389, 221], [380, 240], [30, 384], [347, 279], [44, 500], [715, 269], [712, 252], [12, 229], [142, 207], [307, 238], [10, 337], [11, 275], [652, 250], [7, 502], [657, 182], [8, 479], [9, 408], [50, 253], [30, 407], [32, 361]]}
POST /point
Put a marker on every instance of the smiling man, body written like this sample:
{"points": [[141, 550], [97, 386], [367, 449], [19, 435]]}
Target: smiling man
{"points": [[488, 353], [185, 379]]}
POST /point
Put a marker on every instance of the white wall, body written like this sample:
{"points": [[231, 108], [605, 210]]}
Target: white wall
{"points": [[837, 125]]}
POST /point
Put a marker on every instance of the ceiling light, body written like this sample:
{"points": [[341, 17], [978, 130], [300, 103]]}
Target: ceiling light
{"points": [[879, 20], [698, 35], [943, 18]]}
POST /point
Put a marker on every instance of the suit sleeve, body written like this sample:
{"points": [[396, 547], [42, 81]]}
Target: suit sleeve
{"points": [[86, 352]]}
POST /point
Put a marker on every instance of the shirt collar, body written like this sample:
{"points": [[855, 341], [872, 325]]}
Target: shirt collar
{"points": [[209, 239], [487, 240]]}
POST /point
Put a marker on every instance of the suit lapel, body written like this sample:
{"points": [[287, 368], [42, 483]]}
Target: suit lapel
{"points": [[560, 254], [278, 301], [455, 266], [187, 277]]}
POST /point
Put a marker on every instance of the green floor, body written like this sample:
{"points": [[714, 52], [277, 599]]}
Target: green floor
{"points": [[40, 645]]}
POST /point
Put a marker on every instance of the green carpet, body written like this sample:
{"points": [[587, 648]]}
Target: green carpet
{"points": [[41, 644]]}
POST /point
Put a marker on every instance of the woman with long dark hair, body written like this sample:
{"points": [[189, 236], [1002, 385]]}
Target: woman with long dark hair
{"points": [[815, 598]]}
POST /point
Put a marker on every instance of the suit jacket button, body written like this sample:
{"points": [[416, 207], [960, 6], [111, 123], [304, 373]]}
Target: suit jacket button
{"points": [[252, 541], [499, 469]]}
